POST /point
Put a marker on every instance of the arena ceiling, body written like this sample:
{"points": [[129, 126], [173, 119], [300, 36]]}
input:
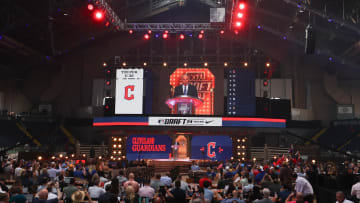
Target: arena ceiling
{"points": [[34, 33]]}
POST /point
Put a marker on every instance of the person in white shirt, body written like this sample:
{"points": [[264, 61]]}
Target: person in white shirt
{"points": [[95, 191], [340, 198], [18, 171], [355, 189], [303, 185]]}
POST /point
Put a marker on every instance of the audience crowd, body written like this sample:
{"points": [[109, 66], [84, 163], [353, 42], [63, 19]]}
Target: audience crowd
{"points": [[287, 179]]}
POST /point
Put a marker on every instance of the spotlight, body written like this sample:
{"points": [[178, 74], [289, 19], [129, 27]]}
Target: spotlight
{"points": [[104, 64], [313, 161], [73, 155], [53, 157], [149, 31], [114, 146], [40, 158], [267, 64], [131, 31], [225, 64], [222, 32], [111, 157], [144, 64], [232, 158], [239, 153], [238, 24], [238, 140], [238, 146], [200, 36], [165, 36], [202, 31], [240, 15], [115, 139], [243, 140], [274, 157], [119, 139], [243, 158], [254, 159], [66, 157], [206, 64], [185, 64], [242, 6], [119, 146], [84, 155], [265, 83], [100, 157], [182, 36], [108, 82], [246, 64], [90, 7], [146, 36], [98, 15], [164, 64], [123, 64], [61, 156], [236, 32], [166, 31]]}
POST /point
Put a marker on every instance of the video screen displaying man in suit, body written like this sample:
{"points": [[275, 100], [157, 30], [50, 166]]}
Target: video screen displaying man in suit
{"points": [[185, 88]]}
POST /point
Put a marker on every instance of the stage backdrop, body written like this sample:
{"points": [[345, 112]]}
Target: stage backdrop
{"points": [[148, 147], [211, 147]]}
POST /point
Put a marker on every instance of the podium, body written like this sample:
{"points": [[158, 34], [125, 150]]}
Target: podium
{"points": [[184, 104]]}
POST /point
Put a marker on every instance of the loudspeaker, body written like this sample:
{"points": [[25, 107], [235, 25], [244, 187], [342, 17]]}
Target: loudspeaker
{"points": [[310, 37], [109, 106]]}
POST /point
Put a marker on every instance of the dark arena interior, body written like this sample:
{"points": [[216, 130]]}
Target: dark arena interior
{"points": [[196, 101]]}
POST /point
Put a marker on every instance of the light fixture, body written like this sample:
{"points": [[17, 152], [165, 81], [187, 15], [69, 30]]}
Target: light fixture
{"points": [[206, 64], [267, 64], [246, 64], [225, 64], [185, 64], [123, 64], [145, 64], [164, 64], [104, 64], [40, 158]]}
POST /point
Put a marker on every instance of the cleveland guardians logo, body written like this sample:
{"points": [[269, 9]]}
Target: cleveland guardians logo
{"points": [[211, 149], [128, 90]]}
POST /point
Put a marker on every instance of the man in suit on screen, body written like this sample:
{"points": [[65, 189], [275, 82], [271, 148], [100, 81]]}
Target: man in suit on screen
{"points": [[185, 88]]}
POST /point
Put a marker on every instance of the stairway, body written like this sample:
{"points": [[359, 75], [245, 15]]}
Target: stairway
{"points": [[162, 166]]}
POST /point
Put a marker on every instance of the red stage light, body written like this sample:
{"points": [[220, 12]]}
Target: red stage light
{"points": [[165, 35], [182, 36], [265, 83], [131, 31], [166, 31], [146, 36], [149, 31], [202, 31], [236, 32], [108, 82], [200, 36], [107, 24], [90, 7], [98, 15], [240, 15], [242, 6], [238, 24], [222, 32]]}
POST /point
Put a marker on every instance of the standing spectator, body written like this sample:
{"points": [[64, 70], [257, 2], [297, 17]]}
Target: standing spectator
{"points": [[69, 190], [105, 198], [194, 166], [184, 184], [52, 171], [146, 190], [340, 198]]}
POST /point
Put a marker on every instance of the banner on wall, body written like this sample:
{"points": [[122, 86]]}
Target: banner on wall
{"points": [[148, 147], [185, 121], [129, 91], [216, 148]]}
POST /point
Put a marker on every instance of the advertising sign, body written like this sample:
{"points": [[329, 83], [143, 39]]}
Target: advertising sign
{"points": [[148, 147], [185, 121], [129, 91], [216, 148]]}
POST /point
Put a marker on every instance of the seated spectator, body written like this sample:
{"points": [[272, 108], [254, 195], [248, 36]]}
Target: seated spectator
{"points": [[203, 179], [177, 193], [146, 190], [132, 182], [122, 179], [184, 184], [17, 195], [130, 195], [208, 194], [195, 167], [156, 183], [96, 191], [340, 198], [266, 199], [79, 197], [166, 180], [299, 198]]}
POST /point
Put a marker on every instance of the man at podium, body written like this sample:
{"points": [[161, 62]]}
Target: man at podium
{"points": [[185, 88]]}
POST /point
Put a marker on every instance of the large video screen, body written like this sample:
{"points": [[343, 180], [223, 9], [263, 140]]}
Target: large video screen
{"points": [[188, 91]]}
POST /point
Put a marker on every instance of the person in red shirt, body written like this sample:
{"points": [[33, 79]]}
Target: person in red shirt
{"points": [[203, 179]]}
